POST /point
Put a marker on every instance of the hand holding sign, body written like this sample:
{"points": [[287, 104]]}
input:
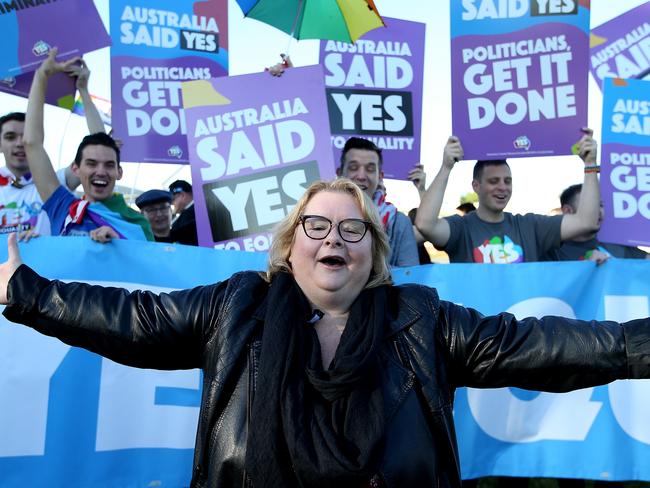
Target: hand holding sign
{"points": [[452, 153], [418, 177], [588, 148], [278, 69], [82, 73], [51, 66]]}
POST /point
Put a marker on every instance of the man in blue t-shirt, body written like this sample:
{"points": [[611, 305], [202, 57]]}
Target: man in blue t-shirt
{"points": [[101, 214]]}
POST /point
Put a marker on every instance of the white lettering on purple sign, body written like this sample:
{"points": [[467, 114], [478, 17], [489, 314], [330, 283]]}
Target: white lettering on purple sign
{"points": [[505, 70], [153, 98]]}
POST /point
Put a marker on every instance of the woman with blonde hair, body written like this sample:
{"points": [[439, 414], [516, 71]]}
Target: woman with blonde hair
{"points": [[320, 372]]}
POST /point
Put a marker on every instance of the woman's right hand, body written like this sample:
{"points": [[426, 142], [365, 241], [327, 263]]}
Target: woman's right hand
{"points": [[8, 268]]}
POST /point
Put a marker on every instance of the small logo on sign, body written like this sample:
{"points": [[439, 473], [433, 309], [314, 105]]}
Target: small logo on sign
{"points": [[522, 142], [175, 152], [9, 81], [41, 48]]}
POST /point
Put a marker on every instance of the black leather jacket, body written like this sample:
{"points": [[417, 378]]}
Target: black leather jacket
{"points": [[432, 347]]}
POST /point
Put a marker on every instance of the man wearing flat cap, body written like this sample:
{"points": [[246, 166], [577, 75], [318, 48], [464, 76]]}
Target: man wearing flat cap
{"points": [[156, 206], [184, 224]]}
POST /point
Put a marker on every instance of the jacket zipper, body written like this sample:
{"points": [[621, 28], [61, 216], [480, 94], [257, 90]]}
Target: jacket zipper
{"points": [[252, 383]]}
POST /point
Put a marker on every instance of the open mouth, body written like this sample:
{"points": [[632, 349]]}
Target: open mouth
{"points": [[363, 186], [332, 261], [19, 154], [99, 183]]}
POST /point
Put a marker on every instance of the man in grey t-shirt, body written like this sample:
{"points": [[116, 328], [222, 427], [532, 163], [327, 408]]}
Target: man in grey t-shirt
{"points": [[491, 235]]}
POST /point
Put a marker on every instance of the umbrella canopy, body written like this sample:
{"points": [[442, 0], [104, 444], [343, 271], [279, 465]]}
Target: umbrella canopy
{"points": [[338, 20]]}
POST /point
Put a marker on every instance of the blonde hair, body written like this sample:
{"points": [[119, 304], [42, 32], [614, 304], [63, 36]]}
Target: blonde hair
{"points": [[285, 231]]}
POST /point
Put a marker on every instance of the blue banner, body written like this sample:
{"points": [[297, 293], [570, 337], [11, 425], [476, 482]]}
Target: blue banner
{"points": [[72, 418]]}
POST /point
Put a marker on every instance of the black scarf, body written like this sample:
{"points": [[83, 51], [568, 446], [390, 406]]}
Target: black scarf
{"points": [[311, 427]]}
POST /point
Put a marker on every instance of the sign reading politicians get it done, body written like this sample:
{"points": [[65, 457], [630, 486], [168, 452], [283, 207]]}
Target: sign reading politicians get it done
{"points": [[519, 76]]}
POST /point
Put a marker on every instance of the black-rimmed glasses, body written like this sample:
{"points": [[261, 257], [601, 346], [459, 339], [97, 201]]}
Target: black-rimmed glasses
{"points": [[318, 227]]}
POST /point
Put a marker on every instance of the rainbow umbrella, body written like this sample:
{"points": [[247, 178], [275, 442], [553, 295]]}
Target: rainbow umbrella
{"points": [[337, 20]]}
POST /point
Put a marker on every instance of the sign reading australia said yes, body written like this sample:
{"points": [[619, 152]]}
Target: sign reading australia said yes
{"points": [[30, 28], [255, 143], [519, 76], [625, 167], [156, 46], [620, 48], [374, 90]]}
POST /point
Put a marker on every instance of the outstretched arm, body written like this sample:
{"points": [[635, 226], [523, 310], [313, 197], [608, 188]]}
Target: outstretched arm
{"points": [[428, 221], [585, 220], [140, 328], [39, 162]]}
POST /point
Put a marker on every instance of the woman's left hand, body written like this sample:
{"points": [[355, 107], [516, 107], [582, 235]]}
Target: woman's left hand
{"points": [[8, 268]]}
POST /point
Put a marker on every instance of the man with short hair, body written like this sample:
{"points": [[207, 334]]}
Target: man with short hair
{"points": [[491, 235], [587, 247], [361, 161], [20, 203], [155, 205], [101, 214], [184, 224]]}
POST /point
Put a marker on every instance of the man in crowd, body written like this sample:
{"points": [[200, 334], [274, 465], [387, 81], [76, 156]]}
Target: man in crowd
{"points": [[20, 203], [587, 246], [361, 161], [184, 224], [101, 214], [156, 206], [491, 235]]}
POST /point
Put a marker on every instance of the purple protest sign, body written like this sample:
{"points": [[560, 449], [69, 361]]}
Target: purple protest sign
{"points": [[60, 88], [374, 90], [31, 29], [519, 77], [157, 46], [255, 143], [620, 48], [625, 167]]}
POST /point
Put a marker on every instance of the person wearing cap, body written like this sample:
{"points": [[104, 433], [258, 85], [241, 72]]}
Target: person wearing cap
{"points": [[156, 207], [184, 224]]}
